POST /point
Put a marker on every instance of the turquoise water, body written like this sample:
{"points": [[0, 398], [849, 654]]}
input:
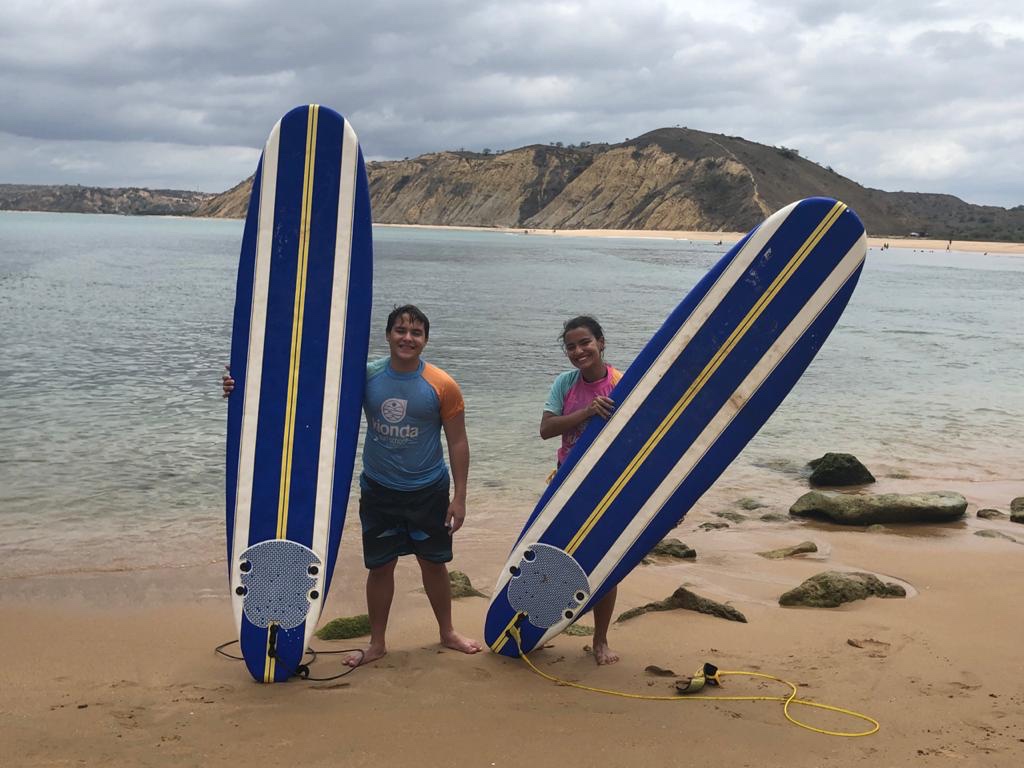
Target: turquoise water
{"points": [[114, 331]]}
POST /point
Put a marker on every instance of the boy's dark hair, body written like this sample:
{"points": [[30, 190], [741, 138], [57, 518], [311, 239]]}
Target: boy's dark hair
{"points": [[414, 313], [582, 321]]}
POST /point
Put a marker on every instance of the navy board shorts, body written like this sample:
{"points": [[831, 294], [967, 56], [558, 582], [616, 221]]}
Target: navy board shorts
{"points": [[397, 523]]}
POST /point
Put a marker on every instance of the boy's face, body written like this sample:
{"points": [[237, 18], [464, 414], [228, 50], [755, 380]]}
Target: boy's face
{"points": [[406, 339]]}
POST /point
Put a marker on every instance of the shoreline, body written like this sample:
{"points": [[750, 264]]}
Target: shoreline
{"points": [[496, 517], [728, 238], [723, 238]]}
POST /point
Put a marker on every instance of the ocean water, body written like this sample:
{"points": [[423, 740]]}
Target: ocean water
{"points": [[114, 332]]}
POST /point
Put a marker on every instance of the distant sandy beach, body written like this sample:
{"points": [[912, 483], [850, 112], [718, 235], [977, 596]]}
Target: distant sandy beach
{"points": [[119, 669], [727, 238]]}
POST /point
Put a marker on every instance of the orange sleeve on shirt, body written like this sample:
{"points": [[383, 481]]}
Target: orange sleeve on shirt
{"points": [[448, 392], [616, 375]]}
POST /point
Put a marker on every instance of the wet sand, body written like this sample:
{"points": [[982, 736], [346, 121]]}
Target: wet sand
{"points": [[119, 669]]}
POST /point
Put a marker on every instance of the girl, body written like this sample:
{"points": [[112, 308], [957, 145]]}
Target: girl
{"points": [[577, 396]]}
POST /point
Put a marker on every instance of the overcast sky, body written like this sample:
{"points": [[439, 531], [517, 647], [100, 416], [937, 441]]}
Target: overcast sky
{"points": [[912, 95]]}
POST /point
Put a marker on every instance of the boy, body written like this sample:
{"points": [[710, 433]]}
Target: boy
{"points": [[404, 504]]}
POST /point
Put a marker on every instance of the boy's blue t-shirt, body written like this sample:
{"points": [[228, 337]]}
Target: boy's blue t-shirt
{"points": [[404, 413]]}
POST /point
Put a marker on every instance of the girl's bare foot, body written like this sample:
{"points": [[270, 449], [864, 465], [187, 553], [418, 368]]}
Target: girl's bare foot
{"points": [[603, 654]]}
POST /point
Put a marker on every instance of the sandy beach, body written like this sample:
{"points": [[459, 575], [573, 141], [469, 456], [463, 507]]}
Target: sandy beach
{"points": [[119, 668], [727, 238]]}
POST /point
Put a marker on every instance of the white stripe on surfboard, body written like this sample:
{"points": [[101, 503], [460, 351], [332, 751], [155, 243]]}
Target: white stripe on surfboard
{"points": [[625, 410], [254, 364], [335, 350], [721, 421]]}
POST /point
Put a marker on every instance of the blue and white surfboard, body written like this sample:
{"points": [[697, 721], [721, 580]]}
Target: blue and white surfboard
{"points": [[701, 388], [298, 357]]}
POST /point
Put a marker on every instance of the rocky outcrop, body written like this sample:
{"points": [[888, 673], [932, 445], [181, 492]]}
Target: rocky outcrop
{"points": [[750, 504], [1017, 510], [467, 189], [991, 514], [126, 201], [990, 534], [670, 178], [461, 585], [684, 599], [803, 548], [673, 548], [775, 517], [648, 188], [833, 588], [866, 509], [838, 469], [709, 526], [233, 204], [345, 628], [732, 517]]}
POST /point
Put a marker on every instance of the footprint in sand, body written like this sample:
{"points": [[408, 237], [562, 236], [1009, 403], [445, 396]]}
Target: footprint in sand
{"points": [[877, 649], [126, 718], [330, 687]]}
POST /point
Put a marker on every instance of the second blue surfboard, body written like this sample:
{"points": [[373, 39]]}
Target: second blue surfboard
{"points": [[702, 387]]}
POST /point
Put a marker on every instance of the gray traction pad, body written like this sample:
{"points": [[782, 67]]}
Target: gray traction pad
{"points": [[548, 585], [278, 583]]}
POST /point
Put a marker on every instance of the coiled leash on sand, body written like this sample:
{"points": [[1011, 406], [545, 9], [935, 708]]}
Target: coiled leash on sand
{"points": [[303, 668], [711, 675]]}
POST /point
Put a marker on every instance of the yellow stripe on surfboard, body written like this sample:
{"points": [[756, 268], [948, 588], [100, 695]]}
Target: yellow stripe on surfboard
{"points": [[713, 365], [503, 637], [298, 314], [270, 665]]}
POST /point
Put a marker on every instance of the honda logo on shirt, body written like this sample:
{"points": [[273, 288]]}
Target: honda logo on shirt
{"points": [[393, 409]]}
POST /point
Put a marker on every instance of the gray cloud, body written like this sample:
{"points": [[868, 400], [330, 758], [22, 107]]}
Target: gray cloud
{"points": [[920, 96]]}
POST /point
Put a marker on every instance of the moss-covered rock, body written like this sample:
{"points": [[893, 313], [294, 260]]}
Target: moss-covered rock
{"points": [[684, 599], [461, 586], [839, 469], [750, 504], [713, 526], [866, 509], [1017, 510], [991, 514], [803, 548], [673, 548], [775, 517], [731, 516], [990, 534], [833, 588], [345, 628]]}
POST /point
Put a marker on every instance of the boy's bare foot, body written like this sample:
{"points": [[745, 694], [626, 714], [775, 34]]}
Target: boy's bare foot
{"points": [[457, 642], [603, 654], [372, 653]]}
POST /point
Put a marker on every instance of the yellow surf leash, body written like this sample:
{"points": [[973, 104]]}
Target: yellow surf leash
{"points": [[711, 675]]}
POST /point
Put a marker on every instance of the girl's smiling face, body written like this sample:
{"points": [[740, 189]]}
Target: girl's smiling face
{"points": [[584, 352]]}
